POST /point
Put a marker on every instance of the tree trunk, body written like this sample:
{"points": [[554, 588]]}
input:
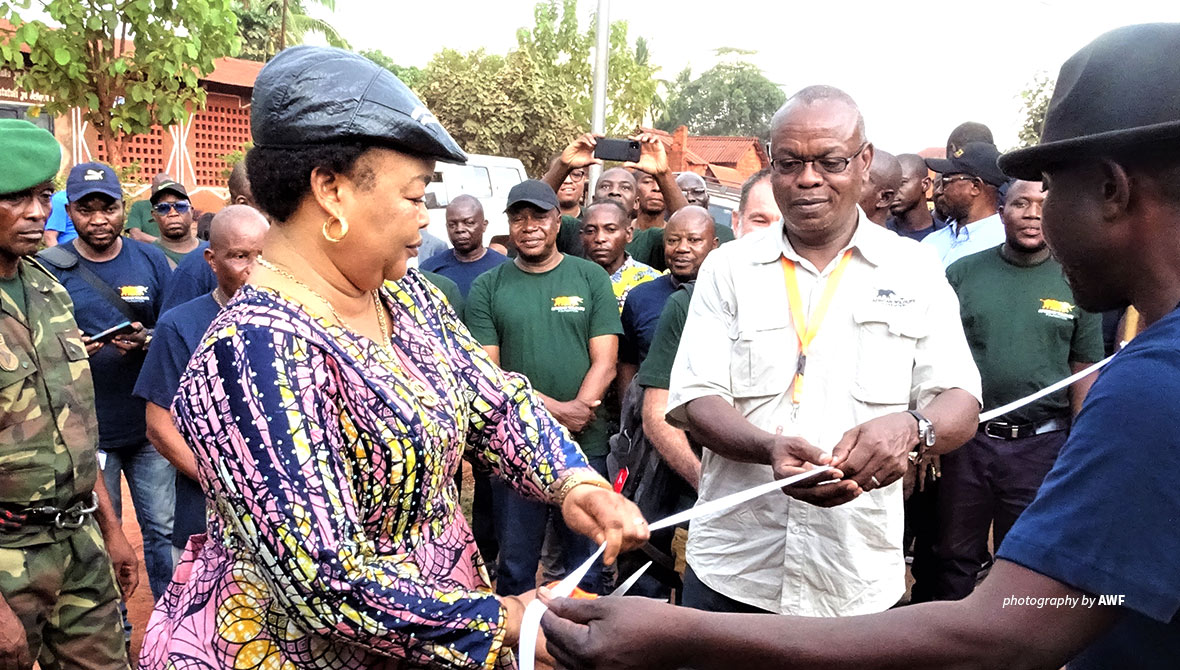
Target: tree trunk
{"points": [[283, 27]]}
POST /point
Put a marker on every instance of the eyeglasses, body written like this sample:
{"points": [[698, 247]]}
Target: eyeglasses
{"points": [[827, 164], [698, 192], [944, 181], [180, 206], [576, 175]]}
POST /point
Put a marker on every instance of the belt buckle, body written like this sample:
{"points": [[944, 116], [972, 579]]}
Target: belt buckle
{"points": [[77, 514], [1001, 430]]}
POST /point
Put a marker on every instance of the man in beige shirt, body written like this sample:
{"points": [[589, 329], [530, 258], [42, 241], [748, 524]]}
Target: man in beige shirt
{"points": [[875, 367]]}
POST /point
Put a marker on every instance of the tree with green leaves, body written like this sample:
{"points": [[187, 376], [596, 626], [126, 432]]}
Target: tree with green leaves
{"points": [[269, 26], [562, 49], [503, 105], [732, 98], [128, 65], [1035, 104], [410, 75]]}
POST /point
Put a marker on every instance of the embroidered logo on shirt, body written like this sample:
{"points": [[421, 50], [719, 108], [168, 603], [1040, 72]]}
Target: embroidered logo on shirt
{"points": [[134, 293], [886, 296], [568, 303], [1057, 309]]}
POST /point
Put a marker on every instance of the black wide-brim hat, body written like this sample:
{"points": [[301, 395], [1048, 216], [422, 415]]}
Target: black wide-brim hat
{"points": [[313, 95], [1121, 90]]}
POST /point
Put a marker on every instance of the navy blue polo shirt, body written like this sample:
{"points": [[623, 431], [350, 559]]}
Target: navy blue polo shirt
{"points": [[445, 264], [179, 332], [192, 278], [1104, 521], [139, 274], [641, 314]]}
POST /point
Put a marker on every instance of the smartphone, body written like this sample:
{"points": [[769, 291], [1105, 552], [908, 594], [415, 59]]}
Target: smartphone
{"points": [[109, 334], [611, 149]]}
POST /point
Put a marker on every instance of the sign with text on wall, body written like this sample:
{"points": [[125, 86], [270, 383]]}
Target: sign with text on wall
{"points": [[10, 91]]}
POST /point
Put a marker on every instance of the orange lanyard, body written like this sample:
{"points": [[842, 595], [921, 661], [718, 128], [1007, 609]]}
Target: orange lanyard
{"points": [[806, 333]]}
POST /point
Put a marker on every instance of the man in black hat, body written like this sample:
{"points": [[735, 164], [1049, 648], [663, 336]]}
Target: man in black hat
{"points": [[1089, 571], [173, 214], [554, 318], [968, 184]]}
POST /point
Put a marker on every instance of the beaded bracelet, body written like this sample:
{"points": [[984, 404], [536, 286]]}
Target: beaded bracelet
{"points": [[576, 479]]}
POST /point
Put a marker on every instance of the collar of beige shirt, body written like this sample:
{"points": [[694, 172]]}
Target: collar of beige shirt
{"points": [[868, 239]]}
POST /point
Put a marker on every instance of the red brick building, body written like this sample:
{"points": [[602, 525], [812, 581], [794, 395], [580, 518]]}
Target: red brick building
{"points": [[726, 161], [191, 151]]}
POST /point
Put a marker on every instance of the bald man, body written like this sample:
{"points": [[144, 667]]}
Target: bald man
{"points": [[693, 186], [766, 401], [239, 186], [881, 187], [468, 258], [235, 241]]}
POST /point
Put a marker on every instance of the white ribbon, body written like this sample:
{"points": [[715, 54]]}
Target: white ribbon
{"points": [[530, 624], [1017, 404]]}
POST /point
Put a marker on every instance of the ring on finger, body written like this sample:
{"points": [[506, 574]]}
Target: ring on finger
{"points": [[876, 484]]}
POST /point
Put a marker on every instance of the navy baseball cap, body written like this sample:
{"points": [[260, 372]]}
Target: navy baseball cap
{"points": [[534, 192], [89, 178], [977, 159], [172, 187]]}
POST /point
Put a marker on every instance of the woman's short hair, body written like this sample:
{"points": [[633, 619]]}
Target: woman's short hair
{"points": [[280, 177]]}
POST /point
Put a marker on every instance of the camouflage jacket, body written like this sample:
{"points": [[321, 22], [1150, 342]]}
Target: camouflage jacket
{"points": [[48, 427]]}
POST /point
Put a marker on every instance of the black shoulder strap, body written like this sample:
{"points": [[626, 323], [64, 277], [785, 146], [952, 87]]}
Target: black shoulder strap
{"points": [[62, 259]]}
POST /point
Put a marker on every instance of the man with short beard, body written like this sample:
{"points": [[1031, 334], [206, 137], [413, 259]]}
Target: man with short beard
{"points": [[1026, 332], [910, 215], [553, 318], [173, 213], [113, 279], [468, 258], [140, 224], [606, 231]]}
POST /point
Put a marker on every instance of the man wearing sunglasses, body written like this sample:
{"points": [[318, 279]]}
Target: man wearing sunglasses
{"points": [[968, 184], [173, 213]]}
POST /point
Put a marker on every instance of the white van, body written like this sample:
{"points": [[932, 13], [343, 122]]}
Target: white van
{"points": [[488, 178]]}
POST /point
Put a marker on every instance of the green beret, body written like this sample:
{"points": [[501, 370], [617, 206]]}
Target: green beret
{"points": [[28, 156]]}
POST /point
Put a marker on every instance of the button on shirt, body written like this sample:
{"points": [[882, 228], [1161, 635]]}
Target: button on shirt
{"points": [[891, 340], [954, 241]]}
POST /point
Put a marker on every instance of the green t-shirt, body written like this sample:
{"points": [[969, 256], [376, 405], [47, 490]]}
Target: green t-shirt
{"points": [[140, 216], [569, 237], [656, 369], [449, 288], [14, 288], [543, 323], [1024, 329], [647, 246], [176, 256]]}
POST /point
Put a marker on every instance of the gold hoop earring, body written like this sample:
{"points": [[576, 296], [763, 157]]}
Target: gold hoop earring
{"points": [[332, 220]]}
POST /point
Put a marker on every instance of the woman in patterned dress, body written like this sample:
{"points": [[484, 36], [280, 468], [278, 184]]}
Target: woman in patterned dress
{"points": [[330, 405]]}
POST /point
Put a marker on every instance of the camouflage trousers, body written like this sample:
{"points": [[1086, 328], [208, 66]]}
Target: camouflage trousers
{"points": [[64, 594]]}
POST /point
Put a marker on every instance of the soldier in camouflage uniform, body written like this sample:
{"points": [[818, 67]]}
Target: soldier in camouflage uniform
{"points": [[58, 594]]}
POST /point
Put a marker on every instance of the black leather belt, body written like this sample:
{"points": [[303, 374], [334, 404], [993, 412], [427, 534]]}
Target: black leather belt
{"points": [[69, 518], [1003, 430]]}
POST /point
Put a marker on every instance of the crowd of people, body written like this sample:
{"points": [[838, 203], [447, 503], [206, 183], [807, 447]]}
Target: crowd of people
{"points": [[294, 386]]}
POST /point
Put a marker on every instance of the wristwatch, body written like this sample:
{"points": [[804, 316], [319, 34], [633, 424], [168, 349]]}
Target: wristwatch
{"points": [[925, 434]]}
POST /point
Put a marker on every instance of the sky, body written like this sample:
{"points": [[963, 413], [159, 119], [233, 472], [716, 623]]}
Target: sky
{"points": [[917, 69]]}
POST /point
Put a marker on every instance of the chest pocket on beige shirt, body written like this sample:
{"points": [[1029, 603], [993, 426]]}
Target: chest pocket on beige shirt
{"points": [[887, 341], [763, 358]]}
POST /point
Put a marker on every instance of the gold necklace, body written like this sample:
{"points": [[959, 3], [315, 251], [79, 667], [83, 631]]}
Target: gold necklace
{"points": [[383, 343]]}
